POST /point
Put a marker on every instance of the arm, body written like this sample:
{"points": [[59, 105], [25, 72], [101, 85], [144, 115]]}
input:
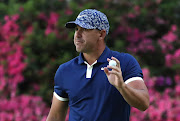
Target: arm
{"points": [[58, 110], [135, 93]]}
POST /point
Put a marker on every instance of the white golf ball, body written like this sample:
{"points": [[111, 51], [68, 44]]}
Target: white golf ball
{"points": [[112, 63]]}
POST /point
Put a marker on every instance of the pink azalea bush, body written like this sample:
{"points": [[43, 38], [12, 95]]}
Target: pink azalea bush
{"points": [[166, 42], [173, 59], [52, 24], [15, 107], [138, 41], [23, 108], [164, 88], [11, 56], [163, 106]]}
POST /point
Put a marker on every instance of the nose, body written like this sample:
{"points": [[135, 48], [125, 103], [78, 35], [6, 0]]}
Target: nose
{"points": [[78, 33]]}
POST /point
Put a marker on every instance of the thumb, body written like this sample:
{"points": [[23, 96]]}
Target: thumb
{"points": [[106, 71]]}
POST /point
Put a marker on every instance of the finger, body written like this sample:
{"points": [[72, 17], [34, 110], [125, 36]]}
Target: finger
{"points": [[116, 73], [108, 59], [106, 71], [117, 61], [114, 68]]}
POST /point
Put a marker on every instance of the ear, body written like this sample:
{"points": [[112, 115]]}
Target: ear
{"points": [[102, 34]]}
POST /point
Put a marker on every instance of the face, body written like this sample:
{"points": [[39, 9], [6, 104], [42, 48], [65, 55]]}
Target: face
{"points": [[86, 40]]}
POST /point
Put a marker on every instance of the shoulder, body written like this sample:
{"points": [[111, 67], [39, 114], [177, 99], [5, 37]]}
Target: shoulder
{"points": [[129, 65], [122, 55], [126, 59], [69, 64], [65, 68]]}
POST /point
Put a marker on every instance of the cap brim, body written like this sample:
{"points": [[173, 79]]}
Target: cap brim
{"points": [[70, 24]]}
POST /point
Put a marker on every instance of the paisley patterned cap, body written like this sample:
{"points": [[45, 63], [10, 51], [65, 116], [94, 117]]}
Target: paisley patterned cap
{"points": [[90, 19]]}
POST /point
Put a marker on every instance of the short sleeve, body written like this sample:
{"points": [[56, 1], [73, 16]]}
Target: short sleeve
{"points": [[132, 69], [59, 91]]}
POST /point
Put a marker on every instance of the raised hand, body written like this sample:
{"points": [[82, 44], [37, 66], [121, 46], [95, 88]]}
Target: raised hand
{"points": [[114, 75]]}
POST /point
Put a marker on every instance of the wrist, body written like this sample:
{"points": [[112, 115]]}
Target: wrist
{"points": [[122, 87]]}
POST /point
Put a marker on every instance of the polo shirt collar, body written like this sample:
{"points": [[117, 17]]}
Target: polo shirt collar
{"points": [[102, 58], [80, 59], [104, 55]]}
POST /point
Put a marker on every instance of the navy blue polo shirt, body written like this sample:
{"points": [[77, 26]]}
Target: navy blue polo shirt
{"points": [[91, 97]]}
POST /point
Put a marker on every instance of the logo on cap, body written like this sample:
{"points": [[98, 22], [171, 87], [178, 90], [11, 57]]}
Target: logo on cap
{"points": [[81, 16]]}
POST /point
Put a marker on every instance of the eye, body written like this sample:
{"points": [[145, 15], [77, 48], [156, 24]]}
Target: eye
{"points": [[76, 28], [84, 29]]}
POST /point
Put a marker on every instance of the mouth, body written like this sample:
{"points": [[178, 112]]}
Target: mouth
{"points": [[79, 41]]}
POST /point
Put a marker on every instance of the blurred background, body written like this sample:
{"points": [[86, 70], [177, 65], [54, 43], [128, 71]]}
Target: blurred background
{"points": [[34, 42]]}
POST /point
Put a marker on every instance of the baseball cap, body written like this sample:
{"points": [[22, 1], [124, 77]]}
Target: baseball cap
{"points": [[90, 19]]}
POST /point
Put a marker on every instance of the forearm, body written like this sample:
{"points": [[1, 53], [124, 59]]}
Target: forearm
{"points": [[53, 119], [56, 117], [137, 98], [58, 110]]}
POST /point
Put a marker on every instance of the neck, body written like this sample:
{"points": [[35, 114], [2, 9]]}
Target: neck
{"points": [[94, 55]]}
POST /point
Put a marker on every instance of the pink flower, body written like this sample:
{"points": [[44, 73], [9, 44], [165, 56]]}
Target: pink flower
{"points": [[138, 41], [146, 45], [168, 59], [15, 17], [131, 15], [177, 53], [137, 9], [44, 118], [42, 16], [174, 28], [23, 108], [146, 73], [164, 105], [177, 90], [53, 18], [52, 24], [165, 46], [177, 56], [6, 116], [131, 48], [173, 59], [68, 12], [177, 79], [10, 28], [133, 118], [133, 35], [170, 37], [48, 30], [155, 115], [38, 111], [160, 20], [2, 83], [1, 70], [5, 48], [6, 18], [29, 29], [27, 112], [67, 116], [178, 116]]}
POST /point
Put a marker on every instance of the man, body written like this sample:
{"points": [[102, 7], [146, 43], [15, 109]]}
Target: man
{"points": [[93, 90]]}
